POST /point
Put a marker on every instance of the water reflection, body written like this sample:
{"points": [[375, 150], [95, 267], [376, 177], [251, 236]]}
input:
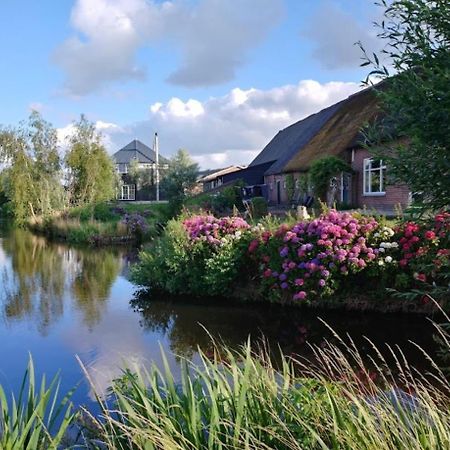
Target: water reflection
{"points": [[57, 301], [39, 275], [189, 326]]}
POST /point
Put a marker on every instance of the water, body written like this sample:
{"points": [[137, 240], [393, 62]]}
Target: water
{"points": [[57, 302]]}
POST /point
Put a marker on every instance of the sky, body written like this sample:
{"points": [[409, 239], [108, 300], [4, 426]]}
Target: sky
{"points": [[216, 77]]}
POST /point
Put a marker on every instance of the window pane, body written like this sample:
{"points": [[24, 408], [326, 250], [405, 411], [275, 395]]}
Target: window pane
{"points": [[375, 181], [366, 181], [376, 163]]}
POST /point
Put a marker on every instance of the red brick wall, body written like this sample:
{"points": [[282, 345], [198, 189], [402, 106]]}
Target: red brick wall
{"points": [[394, 194], [271, 182]]}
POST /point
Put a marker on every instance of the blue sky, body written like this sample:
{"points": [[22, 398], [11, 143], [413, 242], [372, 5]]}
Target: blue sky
{"points": [[218, 77]]}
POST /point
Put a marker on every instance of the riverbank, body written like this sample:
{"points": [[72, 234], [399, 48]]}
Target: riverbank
{"points": [[338, 255], [104, 223]]}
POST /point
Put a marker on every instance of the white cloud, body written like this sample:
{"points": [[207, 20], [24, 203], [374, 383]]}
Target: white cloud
{"points": [[110, 32], [106, 129], [231, 129], [334, 33]]}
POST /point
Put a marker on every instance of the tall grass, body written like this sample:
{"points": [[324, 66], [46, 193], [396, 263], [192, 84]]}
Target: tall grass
{"points": [[337, 399], [242, 401], [37, 419]]}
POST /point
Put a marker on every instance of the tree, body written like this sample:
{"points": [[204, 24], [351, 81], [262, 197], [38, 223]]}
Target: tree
{"points": [[413, 135], [91, 174], [179, 180], [32, 178]]}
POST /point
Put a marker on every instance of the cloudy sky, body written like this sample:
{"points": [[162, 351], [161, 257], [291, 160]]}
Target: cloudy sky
{"points": [[217, 77]]}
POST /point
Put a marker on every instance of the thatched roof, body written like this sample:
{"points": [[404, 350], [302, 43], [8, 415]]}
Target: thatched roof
{"points": [[340, 132]]}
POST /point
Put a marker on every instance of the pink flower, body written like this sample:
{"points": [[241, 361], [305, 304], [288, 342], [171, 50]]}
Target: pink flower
{"points": [[299, 281], [253, 246], [421, 277], [430, 235], [300, 295]]}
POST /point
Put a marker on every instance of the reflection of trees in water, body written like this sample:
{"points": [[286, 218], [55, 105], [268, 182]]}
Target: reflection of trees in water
{"points": [[41, 272], [191, 325], [36, 285], [91, 286], [278, 327]]}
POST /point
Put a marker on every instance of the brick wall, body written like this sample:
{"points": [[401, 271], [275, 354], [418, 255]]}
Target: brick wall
{"points": [[271, 181], [394, 194]]}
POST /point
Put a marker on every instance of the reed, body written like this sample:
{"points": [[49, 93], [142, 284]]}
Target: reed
{"points": [[242, 401], [37, 419]]}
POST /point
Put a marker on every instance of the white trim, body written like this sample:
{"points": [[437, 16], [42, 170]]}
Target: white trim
{"points": [[367, 178], [121, 171], [127, 192]]}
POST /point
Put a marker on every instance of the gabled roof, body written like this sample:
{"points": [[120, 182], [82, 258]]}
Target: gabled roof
{"points": [[327, 132], [137, 150], [219, 173], [341, 132]]}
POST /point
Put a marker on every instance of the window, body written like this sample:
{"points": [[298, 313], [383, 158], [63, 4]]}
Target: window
{"points": [[122, 168], [127, 192], [374, 177]]}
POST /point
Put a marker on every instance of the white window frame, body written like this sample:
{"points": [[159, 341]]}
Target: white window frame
{"points": [[122, 171], [127, 192], [367, 178]]}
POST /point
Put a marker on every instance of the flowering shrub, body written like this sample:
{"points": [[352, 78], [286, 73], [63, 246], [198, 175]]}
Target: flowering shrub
{"points": [[424, 251], [311, 257], [207, 256], [199, 255], [212, 230], [136, 224]]}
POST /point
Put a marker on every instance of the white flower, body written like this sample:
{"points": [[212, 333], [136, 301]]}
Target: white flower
{"points": [[388, 259], [381, 249], [380, 262]]}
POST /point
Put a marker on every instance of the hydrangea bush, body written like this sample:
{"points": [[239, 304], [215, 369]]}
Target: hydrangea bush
{"points": [[207, 256], [309, 259], [199, 255], [424, 254]]}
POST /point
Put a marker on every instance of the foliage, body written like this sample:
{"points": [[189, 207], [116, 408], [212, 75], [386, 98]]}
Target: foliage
{"points": [[321, 172], [31, 180], [290, 186], [297, 261], [311, 258], [201, 256], [413, 136], [92, 178], [227, 198], [136, 225], [240, 400], [37, 419], [180, 178], [424, 256], [105, 223], [258, 207]]}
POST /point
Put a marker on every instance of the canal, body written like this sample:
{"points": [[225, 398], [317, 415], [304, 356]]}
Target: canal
{"points": [[58, 302]]}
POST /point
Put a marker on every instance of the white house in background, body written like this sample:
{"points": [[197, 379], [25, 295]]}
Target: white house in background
{"points": [[146, 159]]}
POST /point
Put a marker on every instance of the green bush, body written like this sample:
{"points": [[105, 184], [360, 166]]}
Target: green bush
{"points": [[258, 207], [104, 213], [177, 265], [227, 198]]}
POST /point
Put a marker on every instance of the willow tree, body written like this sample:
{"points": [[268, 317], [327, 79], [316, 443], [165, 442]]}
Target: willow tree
{"points": [[91, 174], [31, 178]]}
